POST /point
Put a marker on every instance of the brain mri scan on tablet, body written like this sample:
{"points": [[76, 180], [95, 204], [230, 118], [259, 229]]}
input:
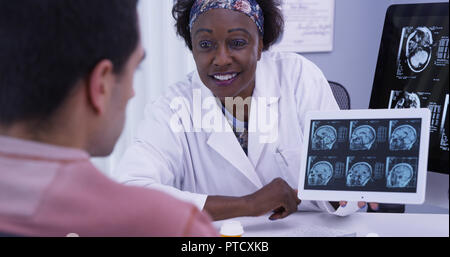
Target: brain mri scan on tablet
{"points": [[320, 174], [324, 138], [377, 155], [403, 138], [400, 175], [362, 138], [359, 174]]}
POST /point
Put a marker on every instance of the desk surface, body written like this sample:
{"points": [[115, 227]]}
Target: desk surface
{"points": [[359, 224]]}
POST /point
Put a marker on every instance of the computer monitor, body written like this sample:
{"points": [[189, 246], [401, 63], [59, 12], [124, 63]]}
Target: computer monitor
{"points": [[413, 70]]}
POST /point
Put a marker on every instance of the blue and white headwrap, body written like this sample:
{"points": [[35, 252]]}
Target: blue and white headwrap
{"points": [[247, 7]]}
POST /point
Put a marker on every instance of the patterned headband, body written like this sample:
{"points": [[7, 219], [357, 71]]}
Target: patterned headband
{"points": [[247, 7]]}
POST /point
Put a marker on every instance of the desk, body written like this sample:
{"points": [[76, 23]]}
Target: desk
{"points": [[384, 224]]}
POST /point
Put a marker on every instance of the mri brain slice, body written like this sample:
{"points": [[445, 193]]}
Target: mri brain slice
{"points": [[403, 138], [359, 174], [320, 174], [400, 175], [324, 138], [362, 138], [418, 51], [408, 100]]}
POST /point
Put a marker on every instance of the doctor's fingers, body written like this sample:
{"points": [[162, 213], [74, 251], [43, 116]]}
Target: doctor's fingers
{"points": [[279, 213], [360, 204], [292, 204], [297, 199], [374, 206], [283, 212]]}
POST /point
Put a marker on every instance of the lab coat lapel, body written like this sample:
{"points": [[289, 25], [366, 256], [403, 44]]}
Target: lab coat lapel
{"points": [[264, 114], [224, 142], [227, 146]]}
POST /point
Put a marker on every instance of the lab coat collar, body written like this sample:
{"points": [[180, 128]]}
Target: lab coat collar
{"points": [[224, 141]]}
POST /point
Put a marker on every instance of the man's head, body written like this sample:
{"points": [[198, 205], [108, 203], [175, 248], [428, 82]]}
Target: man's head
{"points": [[73, 53]]}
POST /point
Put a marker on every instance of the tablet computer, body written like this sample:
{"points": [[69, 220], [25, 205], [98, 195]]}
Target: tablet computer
{"points": [[365, 155]]}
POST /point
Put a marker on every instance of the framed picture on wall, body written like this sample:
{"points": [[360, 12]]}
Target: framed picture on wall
{"points": [[309, 26]]}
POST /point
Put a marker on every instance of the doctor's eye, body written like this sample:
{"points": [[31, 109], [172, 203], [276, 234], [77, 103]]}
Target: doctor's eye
{"points": [[238, 43], [205, 44]]}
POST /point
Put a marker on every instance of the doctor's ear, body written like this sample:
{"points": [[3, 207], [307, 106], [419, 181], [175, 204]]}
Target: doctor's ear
{"points": [[260, 47], [99, 86]]}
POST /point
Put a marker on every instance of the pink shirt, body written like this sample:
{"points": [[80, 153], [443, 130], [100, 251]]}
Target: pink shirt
{"points": [[47, 190]]}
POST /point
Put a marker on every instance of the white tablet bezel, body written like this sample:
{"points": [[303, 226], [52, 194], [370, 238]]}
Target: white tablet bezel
{"points": [[369, 196]]}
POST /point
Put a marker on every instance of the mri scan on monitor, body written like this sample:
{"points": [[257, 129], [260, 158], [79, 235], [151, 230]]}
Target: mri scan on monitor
{"points": [[418, 50], [413, 69], [408, 100]]}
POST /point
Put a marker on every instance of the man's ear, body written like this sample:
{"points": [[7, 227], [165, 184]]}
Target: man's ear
{"points": [[260, 47], [99, 86]]}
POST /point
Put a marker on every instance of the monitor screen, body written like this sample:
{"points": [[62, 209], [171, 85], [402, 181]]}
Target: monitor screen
{"points": [[413, 70], [378, 155]]}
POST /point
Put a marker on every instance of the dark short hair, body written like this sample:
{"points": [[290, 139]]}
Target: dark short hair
{"points": [[273, 21], [47, 46]]}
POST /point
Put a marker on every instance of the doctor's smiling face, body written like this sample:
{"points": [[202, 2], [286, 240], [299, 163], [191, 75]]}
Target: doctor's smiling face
{"points": [[226, 46]]}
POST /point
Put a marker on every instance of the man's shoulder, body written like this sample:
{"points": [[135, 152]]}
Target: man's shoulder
{"points": [[137, 210], [165, 214]]}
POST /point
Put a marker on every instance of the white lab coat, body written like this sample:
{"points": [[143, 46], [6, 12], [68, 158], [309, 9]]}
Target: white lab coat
{"points": [[193, 165]]}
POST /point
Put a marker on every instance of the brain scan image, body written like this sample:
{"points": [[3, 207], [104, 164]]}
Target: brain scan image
{"points": [[320, 174], [408, 100], [324, 138], [400, 175], [418, 49], [403, 138], [362, 138], [359, 174]]}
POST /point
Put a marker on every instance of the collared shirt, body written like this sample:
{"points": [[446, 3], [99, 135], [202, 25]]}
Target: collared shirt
{"points": [[240, 129], [47, 190]]}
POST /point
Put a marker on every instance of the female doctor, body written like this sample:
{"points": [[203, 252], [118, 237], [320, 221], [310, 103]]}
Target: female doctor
{"points": [[228, 137]]}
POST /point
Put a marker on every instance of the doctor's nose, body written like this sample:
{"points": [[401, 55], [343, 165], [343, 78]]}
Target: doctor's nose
{"points": [[222, 57]]}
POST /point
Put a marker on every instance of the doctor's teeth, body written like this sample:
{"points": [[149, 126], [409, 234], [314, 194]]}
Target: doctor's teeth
{"points": [[225, 77]]}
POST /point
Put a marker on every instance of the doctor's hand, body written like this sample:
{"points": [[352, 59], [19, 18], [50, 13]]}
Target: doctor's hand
{"points": [[361, 205], [277, 196]]}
